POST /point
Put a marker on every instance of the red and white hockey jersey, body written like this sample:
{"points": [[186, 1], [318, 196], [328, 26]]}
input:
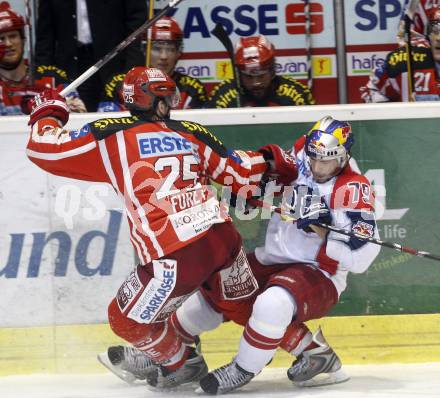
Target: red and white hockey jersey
{"points": [[160, 170], [421, 15], [351, 202], [389, 82]]}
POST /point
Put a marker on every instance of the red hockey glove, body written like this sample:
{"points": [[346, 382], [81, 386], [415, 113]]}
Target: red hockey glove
{"points": [[48, 104], [282, 166]]}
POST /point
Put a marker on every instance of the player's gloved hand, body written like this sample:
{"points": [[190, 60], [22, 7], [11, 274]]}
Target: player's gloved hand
{"points": [[49, 103], [281, 165], [306, 207]]}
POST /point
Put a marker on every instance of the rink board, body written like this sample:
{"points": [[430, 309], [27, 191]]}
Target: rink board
{"points": [[358, 340], [54, 287]]}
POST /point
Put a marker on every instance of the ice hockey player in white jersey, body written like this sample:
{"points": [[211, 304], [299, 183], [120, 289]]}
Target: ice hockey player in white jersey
{"points": [[301, 270]]}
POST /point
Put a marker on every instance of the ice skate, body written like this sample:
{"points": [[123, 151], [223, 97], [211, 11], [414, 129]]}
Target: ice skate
{"points": [[128, 363], [225, 379], [192, 370], [318, 366]]}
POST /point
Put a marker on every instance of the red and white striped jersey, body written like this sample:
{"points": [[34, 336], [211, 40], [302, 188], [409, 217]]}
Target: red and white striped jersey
{"points": [[160, 170], [389, 82], [421, 15], [350, 199], [419, 26]]}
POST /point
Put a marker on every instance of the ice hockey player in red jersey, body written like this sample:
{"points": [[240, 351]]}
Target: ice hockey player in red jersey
{"points": [[394, 81], [301, 271], [160, 169]]}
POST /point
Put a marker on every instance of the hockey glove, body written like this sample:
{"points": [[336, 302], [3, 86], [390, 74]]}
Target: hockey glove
{"points": [[306, 207], [281, 165], [49, 103]]}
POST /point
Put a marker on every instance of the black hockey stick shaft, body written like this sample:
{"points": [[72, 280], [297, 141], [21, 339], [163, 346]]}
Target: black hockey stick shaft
{"points": [[220, 33], [308, 43], [119, 48], [409, 61], [391, 245], [30, 40]]}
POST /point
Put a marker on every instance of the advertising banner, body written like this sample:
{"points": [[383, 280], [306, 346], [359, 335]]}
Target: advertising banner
{"points": [[64, 246], [282, 22], [65, 250]]}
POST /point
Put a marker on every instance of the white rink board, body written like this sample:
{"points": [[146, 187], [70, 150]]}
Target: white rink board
{"points": [[367, 381], [268, 115]]}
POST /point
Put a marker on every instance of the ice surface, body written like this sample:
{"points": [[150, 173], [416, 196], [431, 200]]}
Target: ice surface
{"points": [[367, 381]]}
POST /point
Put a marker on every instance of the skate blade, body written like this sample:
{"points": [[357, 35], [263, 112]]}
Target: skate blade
{"points": [[324, 379], [122, 374]]}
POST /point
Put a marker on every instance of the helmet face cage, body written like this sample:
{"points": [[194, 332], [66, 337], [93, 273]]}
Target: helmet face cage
{"points": [[329, 139], [254, 55], [143, 87]]}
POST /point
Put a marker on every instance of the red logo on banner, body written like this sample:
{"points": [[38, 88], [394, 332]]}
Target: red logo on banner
{"points": [[296, 19]]}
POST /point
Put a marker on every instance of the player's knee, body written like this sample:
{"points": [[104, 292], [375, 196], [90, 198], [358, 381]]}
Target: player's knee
{"points": [[275, 306], [196, 316]]}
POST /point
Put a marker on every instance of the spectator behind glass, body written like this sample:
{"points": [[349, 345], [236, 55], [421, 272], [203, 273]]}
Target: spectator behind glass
{"points": [[75, 34], [166, 49], [392, 81], [260, 86], [16, 87], [420, 11]]}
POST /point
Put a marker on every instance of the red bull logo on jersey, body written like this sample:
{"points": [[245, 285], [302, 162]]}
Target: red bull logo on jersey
{"points": [[363, 228], [162, 144]]}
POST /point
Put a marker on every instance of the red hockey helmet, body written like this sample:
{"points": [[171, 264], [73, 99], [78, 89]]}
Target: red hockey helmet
{"points": [[142, 86], [9, 19], [166, 29], [254, 54]]}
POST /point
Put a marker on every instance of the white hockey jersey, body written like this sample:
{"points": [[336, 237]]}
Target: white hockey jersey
{"points": [[350, 199]]}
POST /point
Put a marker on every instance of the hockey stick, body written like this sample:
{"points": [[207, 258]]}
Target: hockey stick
{"points": [[29, 35], [149, 34], [409, 61], [121, 46], [391, 245], [221, 34], [408, 20], [308, 44]]}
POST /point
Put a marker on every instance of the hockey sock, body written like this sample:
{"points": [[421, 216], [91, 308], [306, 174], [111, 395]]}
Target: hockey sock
{"points": [[272, 312], [177, 360], [297, 339]]}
